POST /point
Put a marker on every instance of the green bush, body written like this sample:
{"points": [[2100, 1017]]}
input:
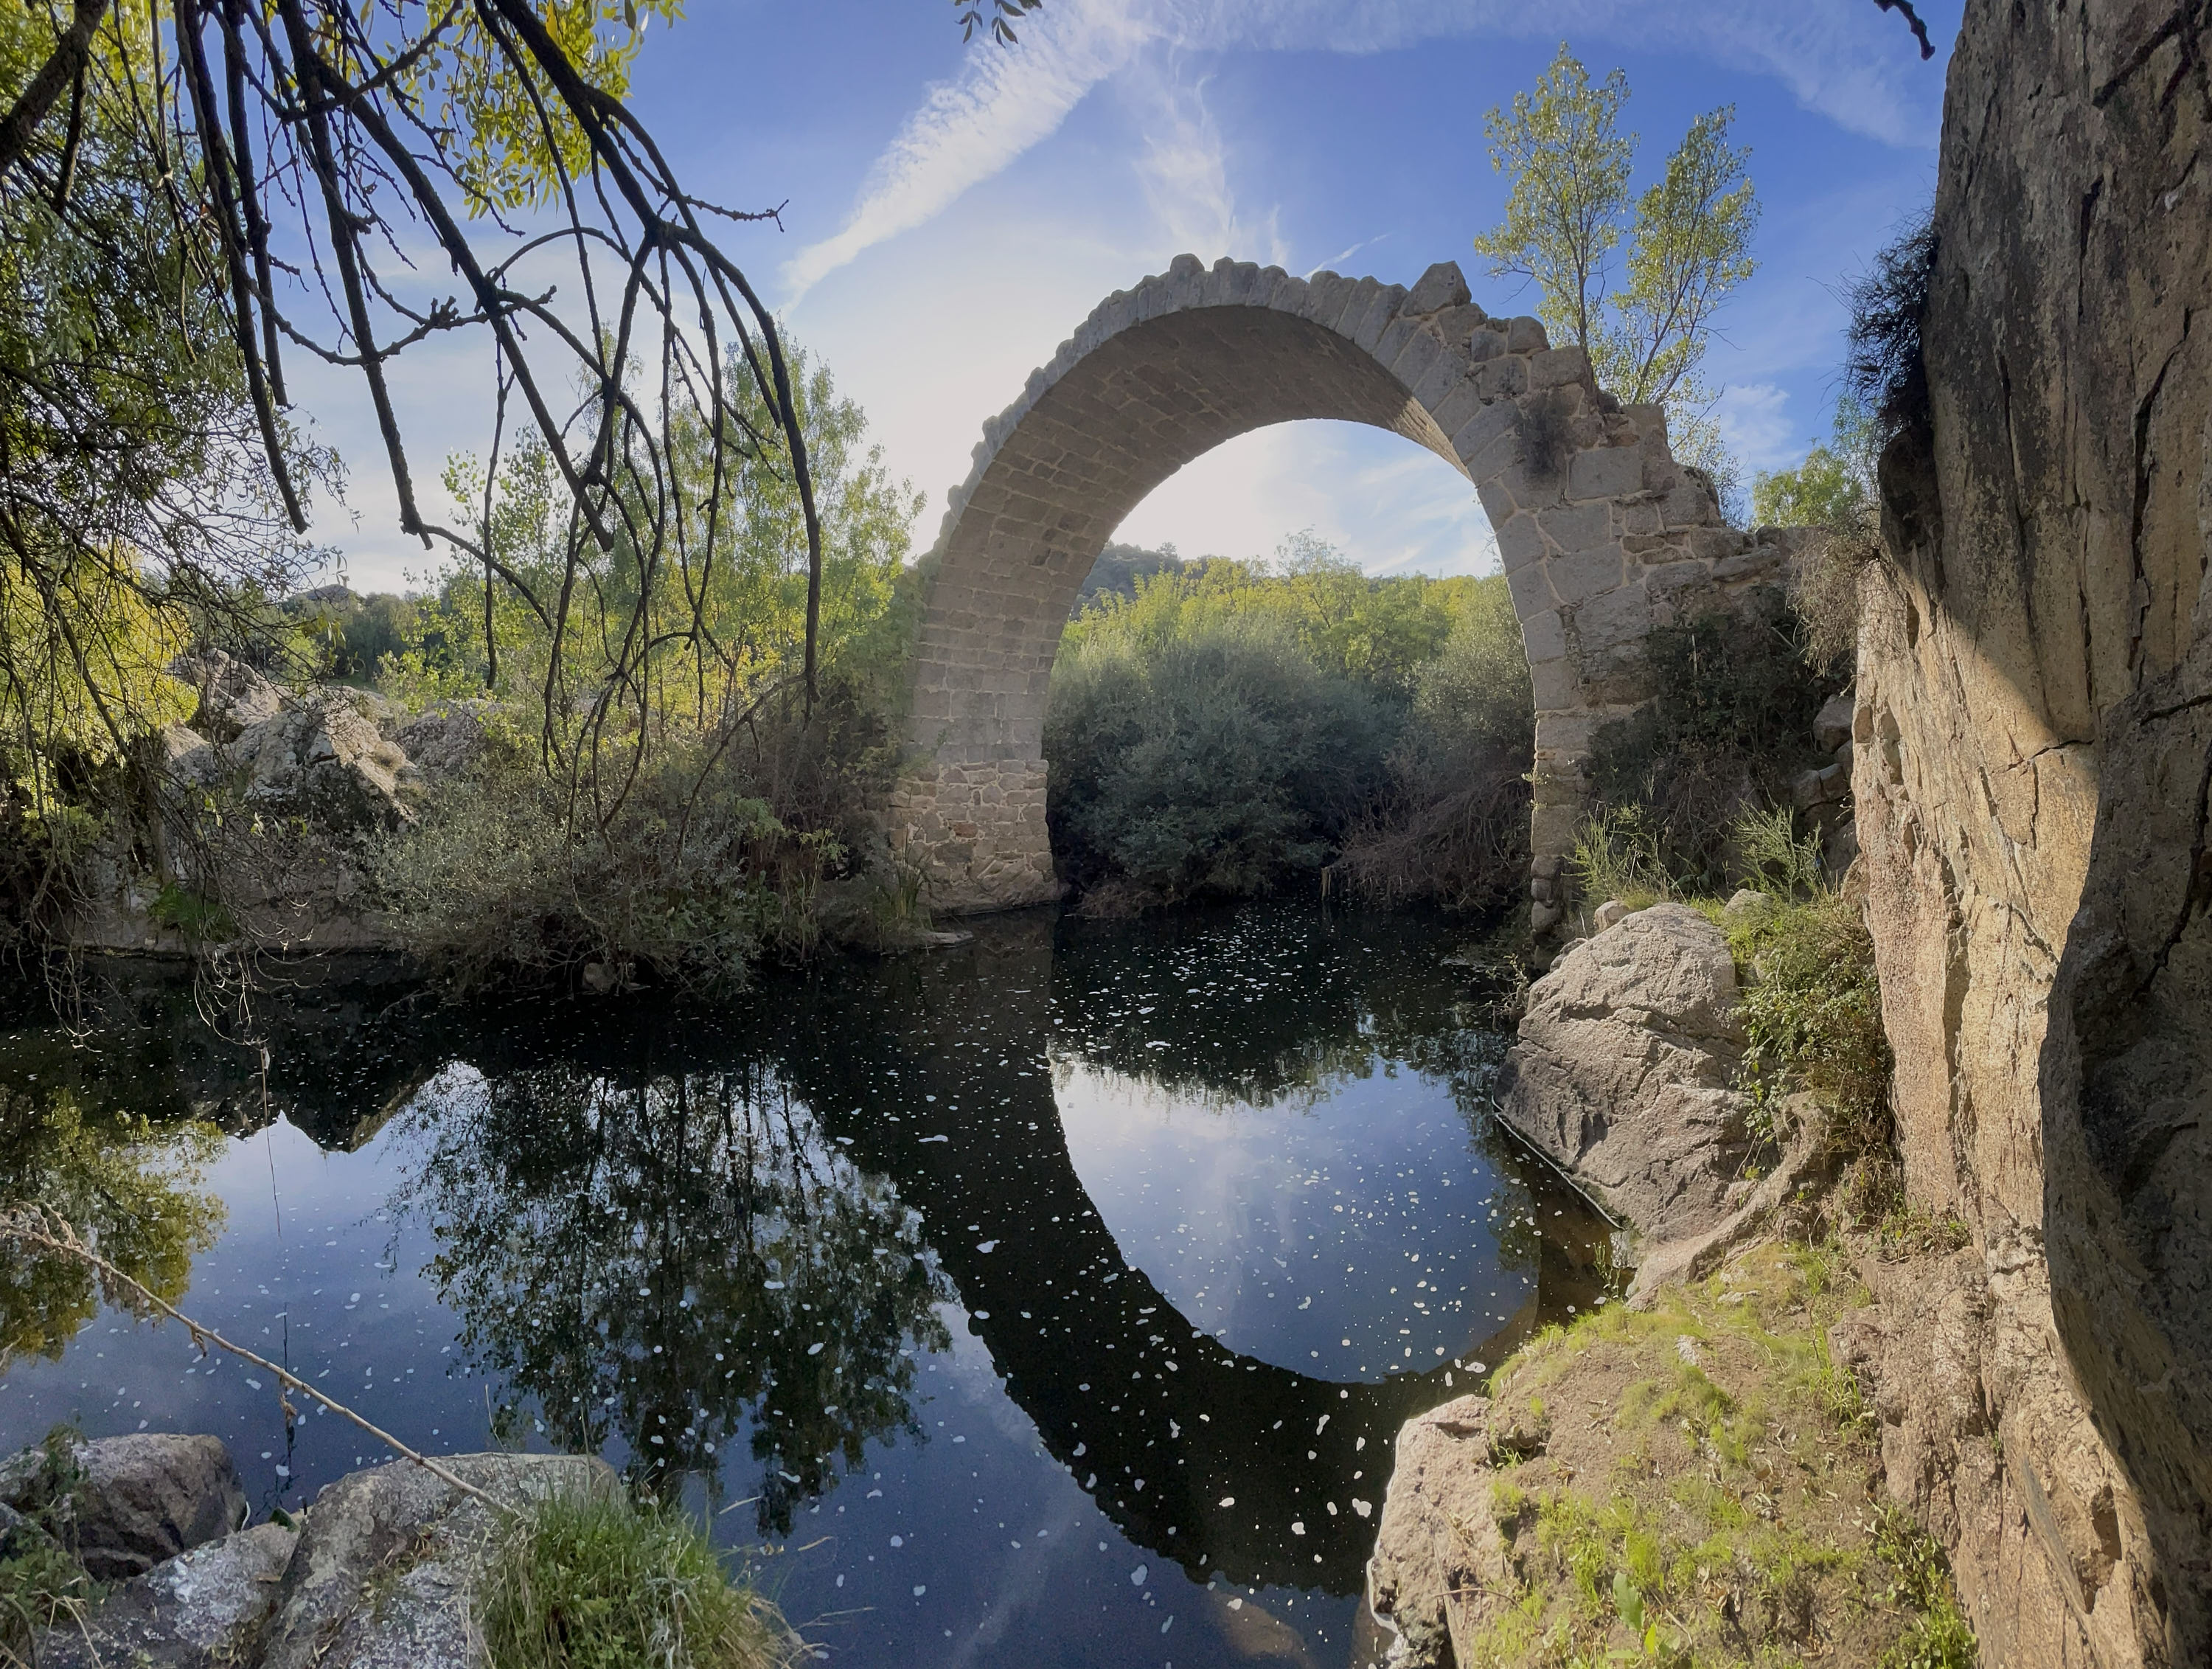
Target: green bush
{"points": [[1729, 724], [1455, 827], [42, 1584], [717, 853], [600, 1583], [1214, 757], [1811, 1010]]}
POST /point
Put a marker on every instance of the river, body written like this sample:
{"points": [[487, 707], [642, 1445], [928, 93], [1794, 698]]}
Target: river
{"points": [[1053, 1298]]}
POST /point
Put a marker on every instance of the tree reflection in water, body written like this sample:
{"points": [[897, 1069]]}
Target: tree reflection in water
{"points": [[666, 1233], [131, 1189], [668, 1261]]}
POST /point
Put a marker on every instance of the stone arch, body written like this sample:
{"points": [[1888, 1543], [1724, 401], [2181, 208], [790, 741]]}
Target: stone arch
{"points": [[1603, 533]]}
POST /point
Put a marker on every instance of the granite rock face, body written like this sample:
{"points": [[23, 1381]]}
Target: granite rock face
{"points": [[2032, 736], [202, 1610], [1439, 1554], [1622, 1072]]}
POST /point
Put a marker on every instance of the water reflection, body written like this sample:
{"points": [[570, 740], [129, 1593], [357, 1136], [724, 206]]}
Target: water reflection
{"points": [[668, 1259], [129, 1188], [730, 1249]]}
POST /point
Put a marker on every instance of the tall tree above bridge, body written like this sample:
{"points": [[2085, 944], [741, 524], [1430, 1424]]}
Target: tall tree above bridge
{"points": [[1688, 239]]}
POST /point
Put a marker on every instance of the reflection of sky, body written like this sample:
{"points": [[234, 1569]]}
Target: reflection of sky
{"points": [[1000, 1559], [312, 1271], [1346, 1238]]}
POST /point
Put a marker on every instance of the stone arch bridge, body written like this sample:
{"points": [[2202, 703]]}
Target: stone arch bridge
{"points": [[1603, 533]]}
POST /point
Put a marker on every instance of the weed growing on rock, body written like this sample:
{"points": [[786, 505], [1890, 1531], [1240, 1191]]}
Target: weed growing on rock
{"points": [[1729, 724], [602, 1582], [1811, 1010], [1704, 1493], [42, 1584], [1939, 1637]]}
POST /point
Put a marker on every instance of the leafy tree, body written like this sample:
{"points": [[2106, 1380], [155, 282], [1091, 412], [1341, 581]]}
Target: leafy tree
{"points": [[1688, 239], [1832, 488]]}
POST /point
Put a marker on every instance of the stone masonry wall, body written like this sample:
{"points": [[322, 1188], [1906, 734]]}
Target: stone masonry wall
{"points": [[1603, 533]]}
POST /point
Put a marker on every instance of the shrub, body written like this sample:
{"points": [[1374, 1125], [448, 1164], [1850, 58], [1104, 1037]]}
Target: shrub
{"points": [[42, 1584], [1211, 758], [716, 854], [1616, 856], [1454, 826], [1886, 368], [600, 1583], [1729, 722], [1812, 1018]]}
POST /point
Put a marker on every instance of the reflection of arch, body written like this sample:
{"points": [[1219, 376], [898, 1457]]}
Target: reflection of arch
{"points": [[1005, 1179], [1601, 533]]}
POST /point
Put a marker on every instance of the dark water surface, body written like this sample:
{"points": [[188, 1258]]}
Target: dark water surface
{"points": [[1052, 1299]]}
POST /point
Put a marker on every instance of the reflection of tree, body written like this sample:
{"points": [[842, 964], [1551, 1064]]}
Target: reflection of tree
{"points": [[669, 1259], [1254, 1009], [130, 1190]]}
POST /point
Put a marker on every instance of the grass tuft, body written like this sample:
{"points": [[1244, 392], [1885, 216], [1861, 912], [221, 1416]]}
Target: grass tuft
{"points": [[601, 1582]]}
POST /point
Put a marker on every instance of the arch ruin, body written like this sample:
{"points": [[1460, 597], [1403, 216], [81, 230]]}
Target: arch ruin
{"points": [[1603, 535]]}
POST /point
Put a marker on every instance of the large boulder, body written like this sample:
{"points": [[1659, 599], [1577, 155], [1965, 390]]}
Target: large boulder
{"points": [[446, 741], [128, 1503], [232, 696], [202, 1610], [1440, 1559], [1623, 1072], [325, 761], [423, 1542]]}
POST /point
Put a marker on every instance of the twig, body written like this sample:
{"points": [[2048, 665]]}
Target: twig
{"points": [[30, 1226], [1913, 17]]}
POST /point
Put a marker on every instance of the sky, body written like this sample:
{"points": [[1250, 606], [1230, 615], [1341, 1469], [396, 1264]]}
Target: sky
{"points": [[951, 213]]}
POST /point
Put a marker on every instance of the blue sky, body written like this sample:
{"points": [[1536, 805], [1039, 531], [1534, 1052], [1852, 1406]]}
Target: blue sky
{"points": [[953, 211]]}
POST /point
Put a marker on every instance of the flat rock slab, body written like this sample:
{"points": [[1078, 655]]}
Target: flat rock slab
{"points": [[1623, 1072], [202, 1610]]}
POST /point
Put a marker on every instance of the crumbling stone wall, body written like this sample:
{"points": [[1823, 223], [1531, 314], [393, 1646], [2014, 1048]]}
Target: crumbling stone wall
{"points": [[2034, 748], [1603, 535]]}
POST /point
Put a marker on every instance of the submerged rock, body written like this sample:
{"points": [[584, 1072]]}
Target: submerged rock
{"points": [[1622, 1075]]}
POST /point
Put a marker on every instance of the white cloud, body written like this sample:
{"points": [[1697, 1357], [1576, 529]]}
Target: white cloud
{"points": [[1185, 170], [1756, 425], [1844, 61], [969, 128]]}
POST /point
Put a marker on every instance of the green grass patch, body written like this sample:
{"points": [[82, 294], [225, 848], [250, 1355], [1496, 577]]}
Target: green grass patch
{"points": [[603, 1582], [1701, 1496]]}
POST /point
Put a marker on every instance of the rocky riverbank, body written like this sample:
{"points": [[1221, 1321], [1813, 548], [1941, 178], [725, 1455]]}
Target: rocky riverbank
{"points": [[1700, 1469], [380, 1572]]}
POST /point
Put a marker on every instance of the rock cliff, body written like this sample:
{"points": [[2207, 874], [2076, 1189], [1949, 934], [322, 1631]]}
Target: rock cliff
{"points": [[2034, 748]]}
